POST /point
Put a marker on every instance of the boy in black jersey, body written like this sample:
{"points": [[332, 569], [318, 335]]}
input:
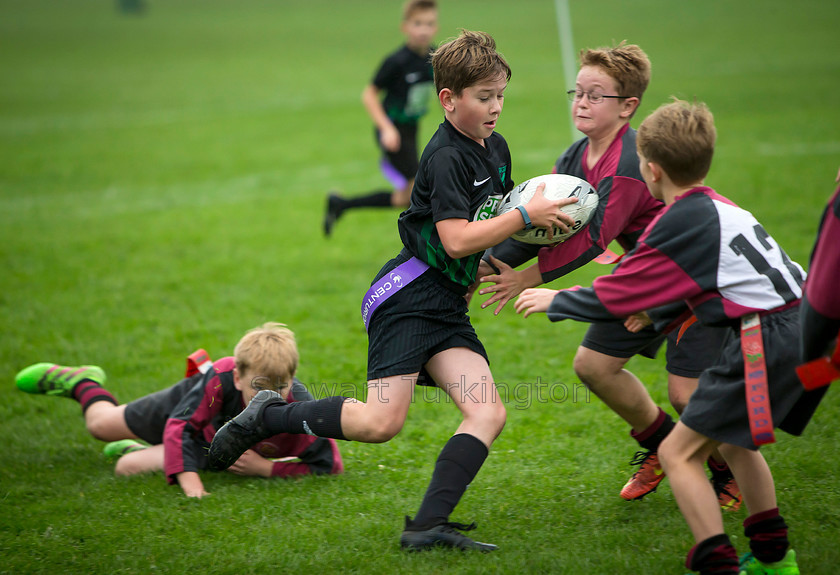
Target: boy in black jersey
{"points": [[405, 77], [416, 312]]}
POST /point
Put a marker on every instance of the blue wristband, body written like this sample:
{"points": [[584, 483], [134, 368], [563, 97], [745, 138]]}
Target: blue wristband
{"points": [[524, 212]]}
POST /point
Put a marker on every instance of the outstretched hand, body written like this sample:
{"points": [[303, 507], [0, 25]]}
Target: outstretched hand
{"points": [[534, 300], [637, 322], [506, 285]]}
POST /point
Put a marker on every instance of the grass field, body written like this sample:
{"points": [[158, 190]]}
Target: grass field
{"points": [[162, 180]]}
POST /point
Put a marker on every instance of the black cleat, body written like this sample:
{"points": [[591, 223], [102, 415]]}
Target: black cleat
{"points": [[444, 535], [243, 431], [334, 209]]}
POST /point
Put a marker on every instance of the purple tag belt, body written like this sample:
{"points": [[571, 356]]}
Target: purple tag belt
{"points": [[389, 284]]}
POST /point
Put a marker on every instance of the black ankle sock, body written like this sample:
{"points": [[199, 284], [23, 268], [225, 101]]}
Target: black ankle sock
{"points": [[768, 535], [651, 437], [377, 199], [87, 392], [321, 417], [456, 467], [713, 555], [720, 471]]}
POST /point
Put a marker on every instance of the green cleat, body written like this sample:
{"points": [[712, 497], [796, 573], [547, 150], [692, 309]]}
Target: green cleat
{"points": [[117, 449], [752, 566], [54, 379]]}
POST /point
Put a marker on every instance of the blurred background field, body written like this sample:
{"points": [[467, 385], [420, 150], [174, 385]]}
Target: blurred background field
{"points": [[162, 184]]}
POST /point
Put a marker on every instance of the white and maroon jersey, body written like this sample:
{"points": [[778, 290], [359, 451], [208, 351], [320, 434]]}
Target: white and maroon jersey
{"points": [[702, 249]]}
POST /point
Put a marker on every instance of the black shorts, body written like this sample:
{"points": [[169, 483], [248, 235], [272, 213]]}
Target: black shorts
{"points": [[419, 321], [146, 417], [718, 407], [697, 349], [405, 160]]}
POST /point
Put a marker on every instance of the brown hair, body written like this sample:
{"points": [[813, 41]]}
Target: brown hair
{"points": [[268, 356], [680, 137], [627, 64], [412, 6], [466, 61]]}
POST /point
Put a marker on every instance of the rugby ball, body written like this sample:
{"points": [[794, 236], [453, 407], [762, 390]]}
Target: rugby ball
{"points": [[557, 187]]}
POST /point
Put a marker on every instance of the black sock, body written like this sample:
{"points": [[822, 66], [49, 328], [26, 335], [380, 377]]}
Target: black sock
{"points": [[456, 467], [721, 473], [321, 417], [713, 555], [376, 199], [651, 437], [88, 392], [768, 535]]}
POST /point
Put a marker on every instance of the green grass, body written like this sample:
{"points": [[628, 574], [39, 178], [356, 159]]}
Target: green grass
{"points": [[162, 180]]}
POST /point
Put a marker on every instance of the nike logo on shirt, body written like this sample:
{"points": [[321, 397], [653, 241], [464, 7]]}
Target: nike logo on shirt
{"points": [[476, 183]]}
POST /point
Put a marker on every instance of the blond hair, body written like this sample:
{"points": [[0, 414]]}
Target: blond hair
{"points": [[268, 356], [467, 60], [627, 64], [412, 6], [680, 137]]}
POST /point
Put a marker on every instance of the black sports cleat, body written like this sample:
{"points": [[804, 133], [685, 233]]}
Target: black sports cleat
{"points": [[443, 535], [243, 431], [334, 209]]}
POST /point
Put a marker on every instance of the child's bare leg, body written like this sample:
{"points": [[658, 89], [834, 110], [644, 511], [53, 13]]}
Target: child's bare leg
{"points": [[683, 455], [402, 196], [618, 388], [106, 421], [381, 416], [680, 389], [753, 475], [140, 461], [466, 378]]}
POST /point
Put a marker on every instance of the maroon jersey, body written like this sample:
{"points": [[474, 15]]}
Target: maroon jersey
{"points": [[820, 315]]}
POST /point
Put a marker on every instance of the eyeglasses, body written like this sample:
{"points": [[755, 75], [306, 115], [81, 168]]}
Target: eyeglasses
{"points": [[594, 97]]}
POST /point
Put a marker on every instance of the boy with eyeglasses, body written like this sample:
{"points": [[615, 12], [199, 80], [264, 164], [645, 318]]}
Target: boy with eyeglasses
{"points": [[608, 91], [716, 257]]}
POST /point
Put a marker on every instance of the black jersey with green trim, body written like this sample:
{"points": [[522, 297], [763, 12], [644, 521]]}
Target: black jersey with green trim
{"points": [[407, 79], [458, 178]]}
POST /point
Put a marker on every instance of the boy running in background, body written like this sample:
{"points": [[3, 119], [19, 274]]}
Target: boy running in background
{"points": [[422, 331], [405, 77], [179, 422], [608, 91], [715, 256]]}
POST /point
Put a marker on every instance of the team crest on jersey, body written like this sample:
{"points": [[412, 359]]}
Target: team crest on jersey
{"points": [[488, 209], [502, 173]]}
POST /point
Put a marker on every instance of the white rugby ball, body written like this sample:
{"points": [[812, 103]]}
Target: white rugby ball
{"points": [[557, 187]]}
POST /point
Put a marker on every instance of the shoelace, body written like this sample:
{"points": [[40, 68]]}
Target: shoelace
{"points": [[641, 457], [451, 525]]}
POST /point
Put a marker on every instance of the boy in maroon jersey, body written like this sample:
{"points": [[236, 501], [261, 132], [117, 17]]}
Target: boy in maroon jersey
{"points": [[715, 256], [179, 422], [608, 90], [820, 314]]}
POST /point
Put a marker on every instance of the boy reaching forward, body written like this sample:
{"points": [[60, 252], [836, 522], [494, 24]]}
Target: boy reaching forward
{"points": [[179, 422], [422, 330], [707, 251]]}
